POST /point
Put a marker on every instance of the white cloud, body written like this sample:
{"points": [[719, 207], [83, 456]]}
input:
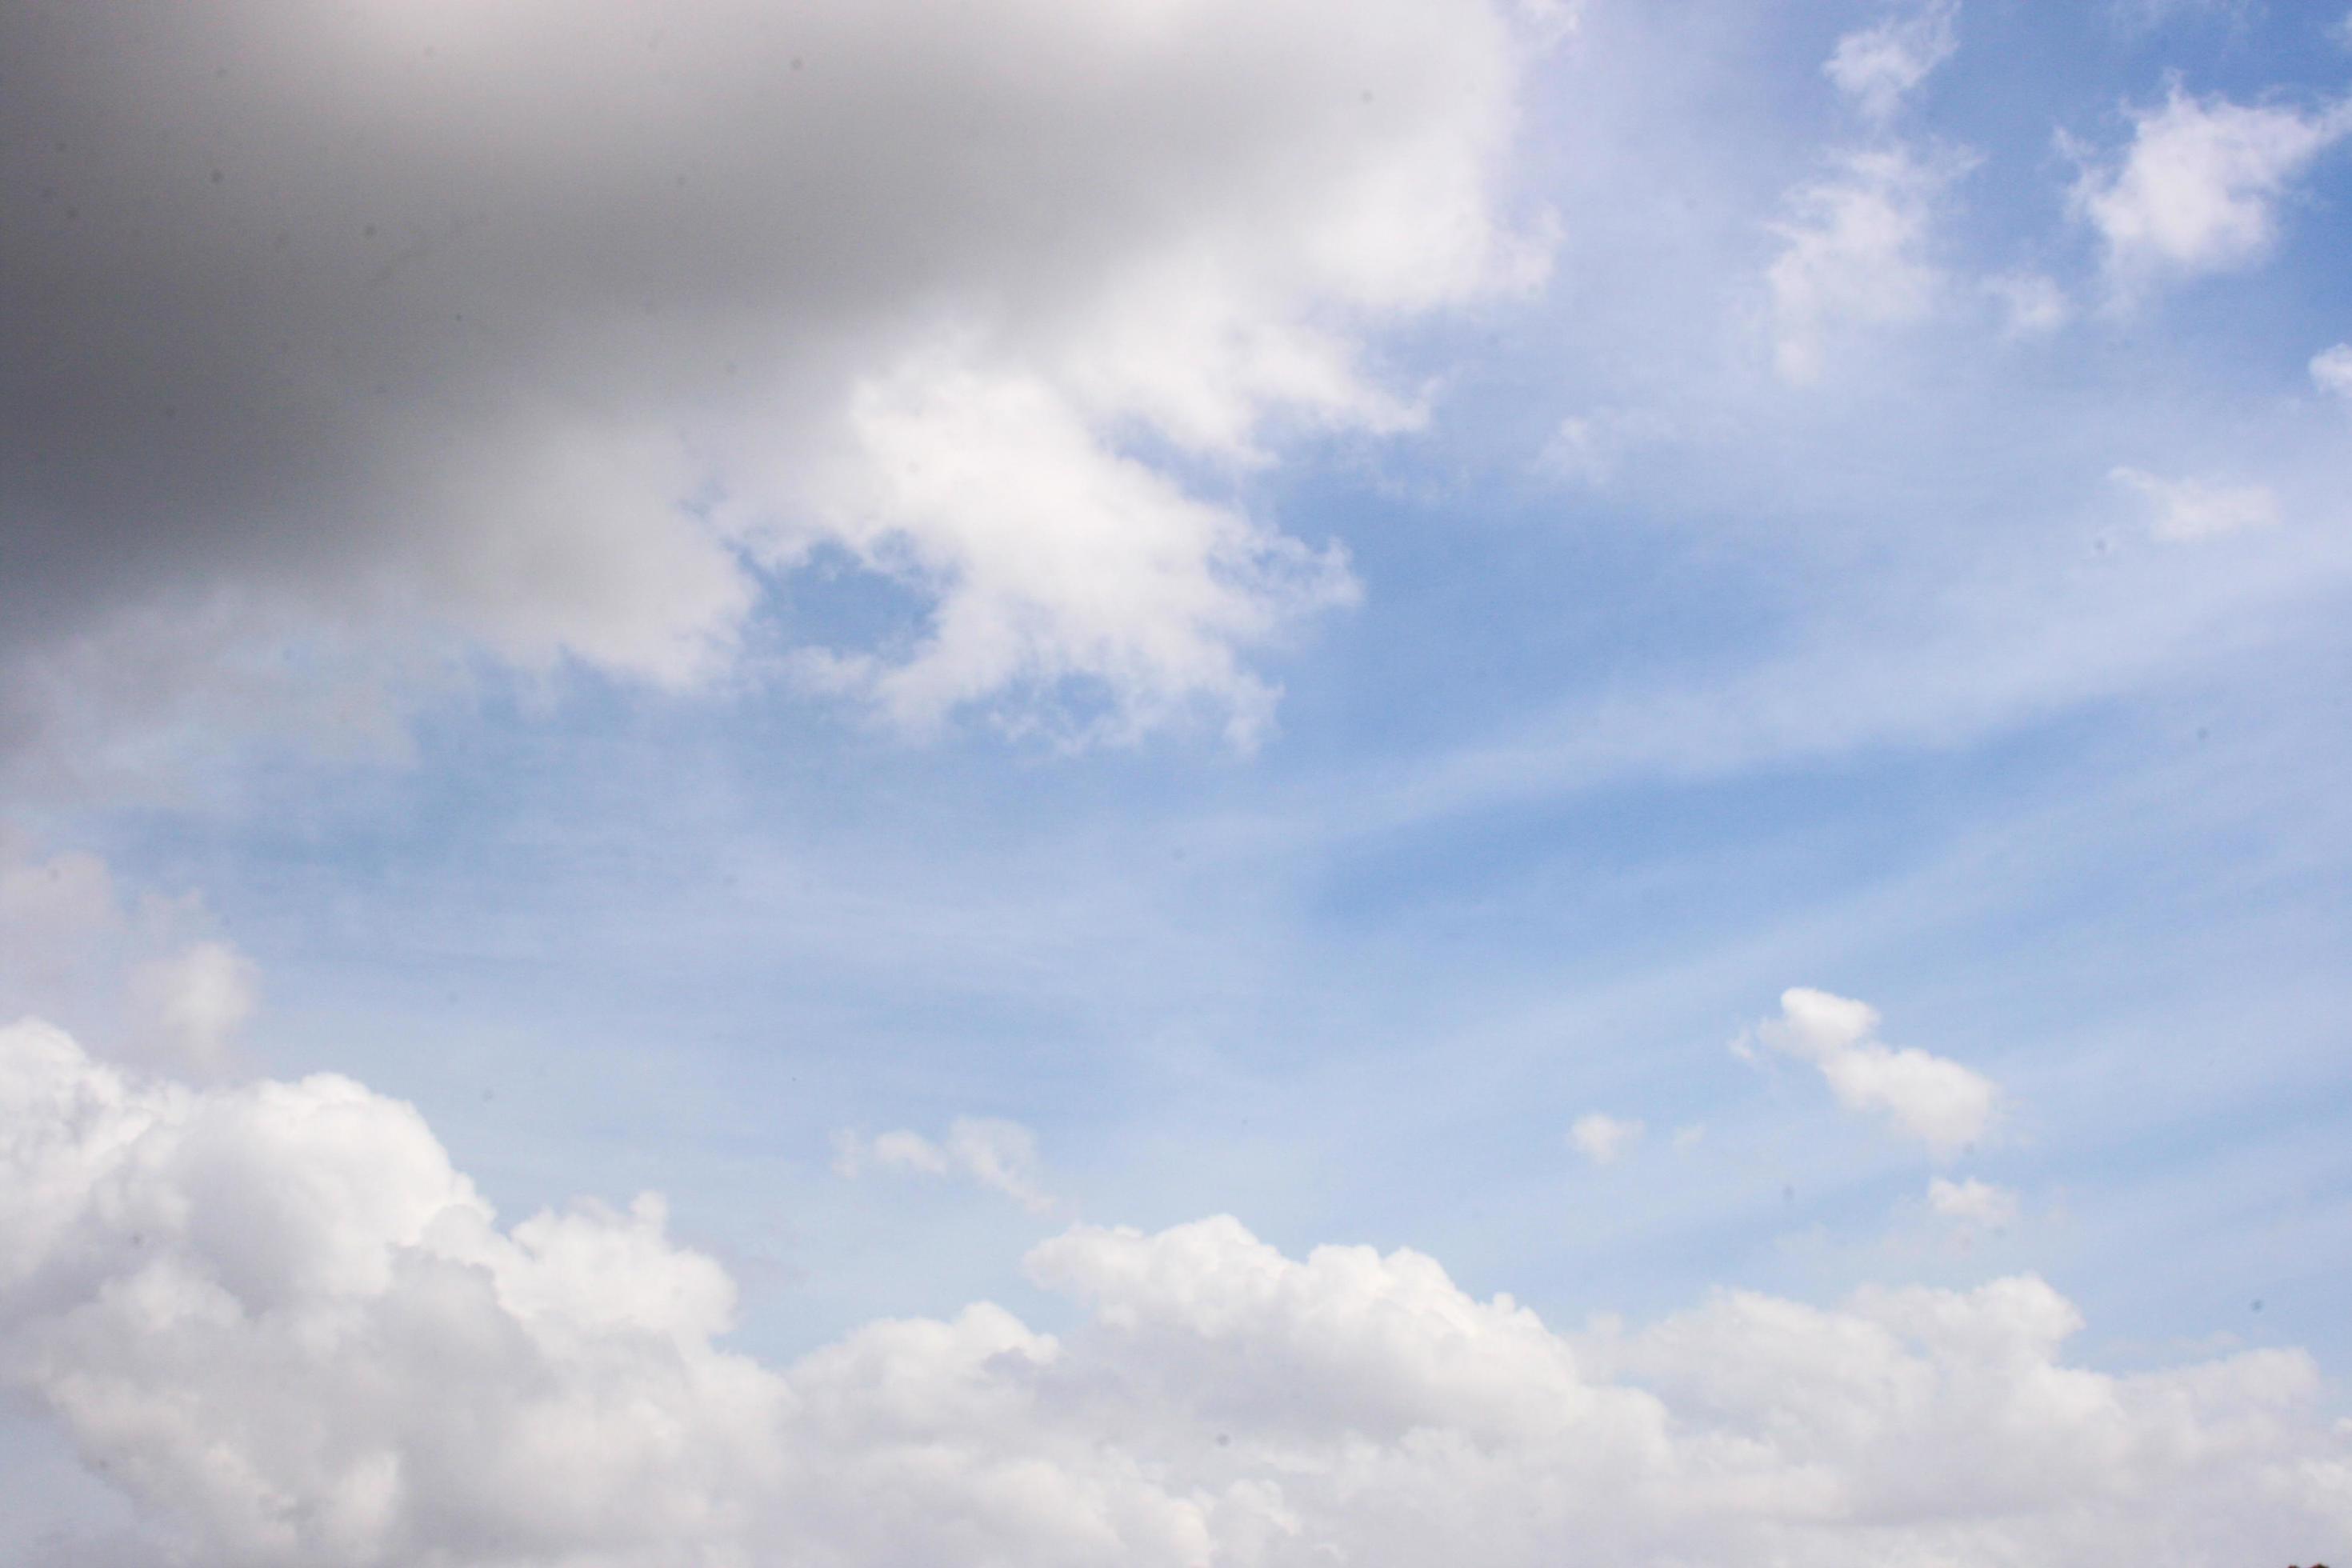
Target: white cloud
{"points": [[151, 973], [276, 1315], [2331, 371], [990, 1152], [2031, 305], [606, 317], [1852, 257], [2198, 190], [1972, 1205], [1932, 1098], [1602, 1138], [192, 1004], [2187, 509], [1878, 67], [52, 913]]}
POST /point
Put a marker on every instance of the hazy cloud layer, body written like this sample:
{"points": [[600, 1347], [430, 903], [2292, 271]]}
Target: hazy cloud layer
{"points": [[277, 1315], [2186, 508], [344, 336]]}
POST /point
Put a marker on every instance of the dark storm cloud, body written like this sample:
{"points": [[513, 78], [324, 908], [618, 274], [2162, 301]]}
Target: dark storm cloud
{"points": [[434, 314]]}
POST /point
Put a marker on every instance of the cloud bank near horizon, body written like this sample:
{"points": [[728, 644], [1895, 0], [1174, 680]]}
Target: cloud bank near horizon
{"points": [[278, 1317]]}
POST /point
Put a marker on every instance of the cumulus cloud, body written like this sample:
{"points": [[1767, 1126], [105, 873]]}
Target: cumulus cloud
{"points": [[1877, 66], [1602, 1138], [990, 1152], [2331, 371], [278, 1317], [2187, 509], [2199, 188], [1937, 1100], [378, 334], [1852, 257]]}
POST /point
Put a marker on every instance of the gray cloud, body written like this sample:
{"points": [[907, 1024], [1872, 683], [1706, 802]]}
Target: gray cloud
{"points": [[539, 325]]}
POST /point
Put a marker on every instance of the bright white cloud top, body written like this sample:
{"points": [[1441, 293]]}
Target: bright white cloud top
{"points": [[278, 1312]]}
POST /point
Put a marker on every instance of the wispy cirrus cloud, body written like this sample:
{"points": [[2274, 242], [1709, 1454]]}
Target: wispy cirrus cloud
{"points": [[988, 1152], [1879, 66]]}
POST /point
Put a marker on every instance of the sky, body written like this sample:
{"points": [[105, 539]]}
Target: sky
{"points": [[1175, 781]]}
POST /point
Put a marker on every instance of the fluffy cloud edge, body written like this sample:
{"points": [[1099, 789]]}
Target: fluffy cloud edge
{"points": [[278, 1315], [1936, 1101], [1034, 418]]}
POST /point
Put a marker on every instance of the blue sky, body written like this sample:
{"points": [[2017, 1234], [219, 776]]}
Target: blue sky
{"points": [[1893, 546]]}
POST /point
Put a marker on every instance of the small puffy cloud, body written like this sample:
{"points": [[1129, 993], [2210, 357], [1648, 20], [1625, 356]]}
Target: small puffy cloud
{"points": [[1852, 257], [2188, 509], [1972, 1204], [278, 1318], [1876, 68], [987, 1152], [2331, 371], [1603, 1139], [1929, 1098], [2031, 304], [2198, 190]]}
